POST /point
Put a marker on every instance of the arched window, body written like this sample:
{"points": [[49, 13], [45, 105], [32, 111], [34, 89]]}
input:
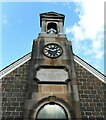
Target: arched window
{"points": [[52, 111], [52, 28]]}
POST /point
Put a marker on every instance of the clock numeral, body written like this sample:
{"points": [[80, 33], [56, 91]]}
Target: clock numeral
{"points": [[57, 47], [49, 55], [52, 46], [47, 48], [58, 51], [56, 55], [46, 53]]}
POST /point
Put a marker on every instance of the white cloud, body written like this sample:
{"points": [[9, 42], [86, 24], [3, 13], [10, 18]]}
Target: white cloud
{"points": [[91, 16], [68, 30], [89, 28], [78, 32]]}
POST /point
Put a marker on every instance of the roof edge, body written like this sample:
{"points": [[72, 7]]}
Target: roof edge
{"points": [[77, 59], [91, 69], [15, 65]]}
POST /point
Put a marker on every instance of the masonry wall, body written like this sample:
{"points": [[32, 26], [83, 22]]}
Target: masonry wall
{"points": [[13, 92], [91, 94]]}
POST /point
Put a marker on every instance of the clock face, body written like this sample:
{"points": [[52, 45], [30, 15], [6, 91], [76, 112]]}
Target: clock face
{"points": [[52, 50]]}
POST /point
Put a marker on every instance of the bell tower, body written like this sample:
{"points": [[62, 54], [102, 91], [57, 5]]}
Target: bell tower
{"points": [[51, 22], [52, 83]]}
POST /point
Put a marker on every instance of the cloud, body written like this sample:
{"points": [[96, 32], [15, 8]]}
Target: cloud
{"points": [[89, 29], [68, 30], [91, 16]]}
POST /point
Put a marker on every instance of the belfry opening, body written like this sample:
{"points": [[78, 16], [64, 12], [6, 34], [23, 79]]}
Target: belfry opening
{"points": [[52, 28]]}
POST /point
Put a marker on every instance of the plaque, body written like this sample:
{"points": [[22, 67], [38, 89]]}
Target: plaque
{"points": [[52, 75]]}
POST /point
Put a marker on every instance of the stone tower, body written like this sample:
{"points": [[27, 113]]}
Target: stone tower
{"points": [[52, 89]]}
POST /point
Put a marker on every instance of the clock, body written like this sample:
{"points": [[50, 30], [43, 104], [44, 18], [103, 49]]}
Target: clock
{"points": [[52, 50]]}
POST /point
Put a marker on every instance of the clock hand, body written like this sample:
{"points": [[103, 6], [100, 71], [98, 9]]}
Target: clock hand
{"points": [[52, 49]]}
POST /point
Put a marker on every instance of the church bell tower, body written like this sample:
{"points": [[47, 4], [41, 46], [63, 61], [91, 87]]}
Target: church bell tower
{"points": [[52, 83]]}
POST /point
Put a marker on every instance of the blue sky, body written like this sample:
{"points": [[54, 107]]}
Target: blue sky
{"points": [[21, 24]]}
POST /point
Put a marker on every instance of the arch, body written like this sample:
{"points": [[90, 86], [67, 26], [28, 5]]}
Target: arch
{"points": [[51, 100], [52, 27]]}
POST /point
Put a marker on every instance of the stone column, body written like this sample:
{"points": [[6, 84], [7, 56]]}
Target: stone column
{"points": [[61, 27], [43, 29]]}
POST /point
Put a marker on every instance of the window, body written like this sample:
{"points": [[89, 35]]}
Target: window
{"points": [[52, 111]]}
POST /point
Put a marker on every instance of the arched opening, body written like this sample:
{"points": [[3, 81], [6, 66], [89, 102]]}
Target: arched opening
{"points": [[52, 111], [52, 28], [65, 109]]}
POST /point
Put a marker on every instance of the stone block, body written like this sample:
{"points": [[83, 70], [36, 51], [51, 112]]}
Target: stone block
{"points": [[11, 108]]}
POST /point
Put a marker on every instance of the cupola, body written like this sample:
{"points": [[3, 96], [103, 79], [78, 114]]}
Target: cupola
{"points": [[52, 23]]}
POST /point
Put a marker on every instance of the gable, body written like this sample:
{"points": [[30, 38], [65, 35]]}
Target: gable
{"points": [[78, 60], [89, 68], [15, 65]]}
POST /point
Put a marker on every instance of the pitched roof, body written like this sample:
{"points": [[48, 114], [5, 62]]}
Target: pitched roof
{"points": [[77, 59]]}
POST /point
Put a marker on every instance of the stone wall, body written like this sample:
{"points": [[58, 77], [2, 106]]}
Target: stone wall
{"points": [[91, 94], [13, 92]]}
